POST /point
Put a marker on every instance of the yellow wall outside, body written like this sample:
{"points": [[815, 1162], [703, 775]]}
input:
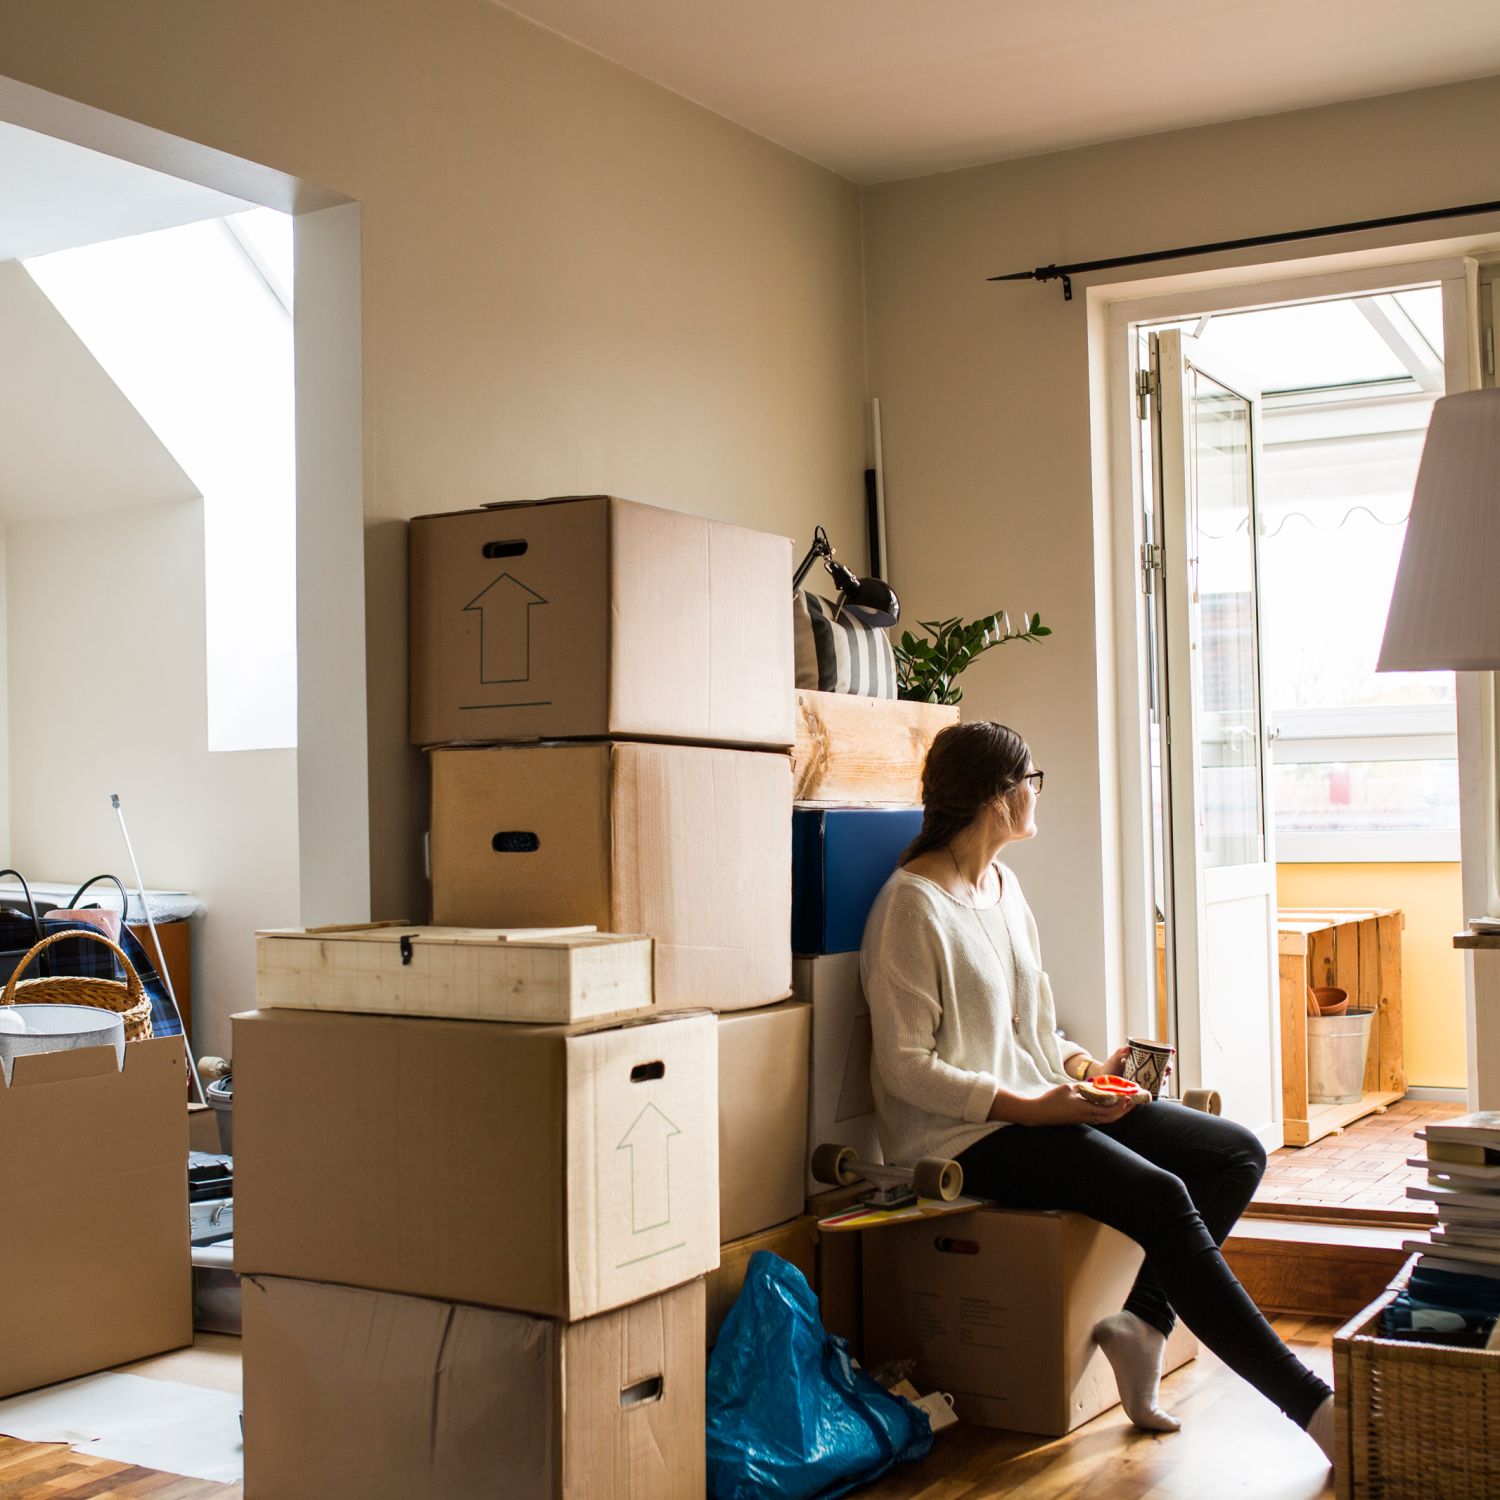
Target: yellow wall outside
{"points": [[1432, 971]]}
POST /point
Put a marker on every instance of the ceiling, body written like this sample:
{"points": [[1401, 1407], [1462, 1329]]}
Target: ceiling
{"points": [[70, 443], [882, 89], [58, 196]]}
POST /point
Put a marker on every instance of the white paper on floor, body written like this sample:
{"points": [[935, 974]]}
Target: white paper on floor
{"points": [[158, 1424]]}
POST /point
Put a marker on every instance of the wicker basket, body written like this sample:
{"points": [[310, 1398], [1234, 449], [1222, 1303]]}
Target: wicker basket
{"points": [[1412, 1420], [127, 997]]}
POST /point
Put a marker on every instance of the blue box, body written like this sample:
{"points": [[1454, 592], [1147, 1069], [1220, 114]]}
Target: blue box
{"points": [[841, 856]]}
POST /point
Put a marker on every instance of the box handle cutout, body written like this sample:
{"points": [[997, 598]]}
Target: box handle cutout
{"points": [[645, 1072], [515, 842], [405, 949], [947, 1245], [642, 1393], [504, 549]]}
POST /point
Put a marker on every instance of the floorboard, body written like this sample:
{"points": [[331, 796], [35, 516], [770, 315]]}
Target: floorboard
{"points": [[1234, 1446]]}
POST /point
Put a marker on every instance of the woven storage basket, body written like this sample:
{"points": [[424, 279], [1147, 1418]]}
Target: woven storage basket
{"points": [[1413, 1421], [127, 997]]}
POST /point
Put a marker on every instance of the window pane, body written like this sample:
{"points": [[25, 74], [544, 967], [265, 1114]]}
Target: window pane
{"points": [[1367, 796], [1229, 734]]}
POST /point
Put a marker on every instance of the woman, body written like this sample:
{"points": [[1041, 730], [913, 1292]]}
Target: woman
{"points": [[968, 1064]]}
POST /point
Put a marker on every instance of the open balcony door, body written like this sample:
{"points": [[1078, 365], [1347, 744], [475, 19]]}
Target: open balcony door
{"points": [[1220, 889]]}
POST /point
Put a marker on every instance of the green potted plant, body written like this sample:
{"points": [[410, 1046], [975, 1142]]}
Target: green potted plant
{"points": [[927, 667]]}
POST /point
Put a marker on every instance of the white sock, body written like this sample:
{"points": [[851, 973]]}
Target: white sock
{"points": [[1320, 1429], [1134, 1350]]}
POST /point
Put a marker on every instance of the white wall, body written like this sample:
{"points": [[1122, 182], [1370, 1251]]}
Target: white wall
{"points": [[996, 479], [107, 693], [5, 859], [573, 280]]}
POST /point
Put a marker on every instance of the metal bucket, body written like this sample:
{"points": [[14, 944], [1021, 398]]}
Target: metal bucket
{"points": [[1337, 1047], [57, 1028], [220, 1094]]}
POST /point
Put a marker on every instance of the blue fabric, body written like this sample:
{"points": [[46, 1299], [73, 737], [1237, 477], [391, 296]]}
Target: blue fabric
{"points": [[94, 961], [789, 1415], [841, 856]]}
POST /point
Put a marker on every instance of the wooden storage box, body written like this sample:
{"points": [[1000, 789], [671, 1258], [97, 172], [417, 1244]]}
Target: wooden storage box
{"points": [[863, 752], [1413, 1421], [463, 973], [1358, 949]]}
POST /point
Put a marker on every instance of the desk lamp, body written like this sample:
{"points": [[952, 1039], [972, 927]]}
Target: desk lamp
{"points": [[867, 599]]}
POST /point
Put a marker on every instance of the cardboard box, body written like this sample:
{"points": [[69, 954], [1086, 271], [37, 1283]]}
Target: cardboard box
{"points": [[468, 973], [762, 1117], [999, 1309], [853, 751], [351, 1392], [840, 1100], [795, 1241], [841, 856], [840, 1268], [561, 1170], [585, 617], [685, 843], [93, 1236]]}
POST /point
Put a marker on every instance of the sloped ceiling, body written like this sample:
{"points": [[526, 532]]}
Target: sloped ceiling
{"points": [[58, 196], [881, 89], [70, 443]]}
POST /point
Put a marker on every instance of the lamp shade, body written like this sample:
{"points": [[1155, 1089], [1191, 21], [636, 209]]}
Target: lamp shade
{"points": [[1445, 608]]}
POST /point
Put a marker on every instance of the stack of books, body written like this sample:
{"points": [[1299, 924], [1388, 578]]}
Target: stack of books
{"points": [[1463, 1184]]}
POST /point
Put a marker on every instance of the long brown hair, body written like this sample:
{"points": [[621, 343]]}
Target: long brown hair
{"points": [[968, 767]]}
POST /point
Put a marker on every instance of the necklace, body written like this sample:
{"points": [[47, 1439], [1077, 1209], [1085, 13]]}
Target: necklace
{"points": [[984, 927]]}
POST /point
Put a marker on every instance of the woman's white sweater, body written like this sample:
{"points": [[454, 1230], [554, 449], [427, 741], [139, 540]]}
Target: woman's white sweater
{"points": [[959, 1007]]}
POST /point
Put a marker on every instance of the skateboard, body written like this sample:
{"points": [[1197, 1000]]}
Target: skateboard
{"points": [[930, 1189]]}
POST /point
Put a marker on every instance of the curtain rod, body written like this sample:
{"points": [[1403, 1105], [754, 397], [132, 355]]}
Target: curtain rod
{"points": [[1065, 274]]}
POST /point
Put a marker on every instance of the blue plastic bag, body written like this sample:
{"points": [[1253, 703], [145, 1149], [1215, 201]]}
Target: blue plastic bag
{"points": [[789, 1416]]}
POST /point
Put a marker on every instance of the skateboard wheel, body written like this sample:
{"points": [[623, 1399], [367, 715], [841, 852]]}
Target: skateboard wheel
{"points": [[934, 1178], [1206, 1100], [835, 1165]]}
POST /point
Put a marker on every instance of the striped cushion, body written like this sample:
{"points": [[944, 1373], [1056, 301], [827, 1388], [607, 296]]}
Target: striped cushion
{"points": [[842, 655]]}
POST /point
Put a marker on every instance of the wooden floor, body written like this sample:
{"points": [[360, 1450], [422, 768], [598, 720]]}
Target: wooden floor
{"points": [[1234, 1445], [53, 1471], [1360, 1173]]}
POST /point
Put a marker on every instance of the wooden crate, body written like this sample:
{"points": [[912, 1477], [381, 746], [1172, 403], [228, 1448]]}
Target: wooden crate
{"points": [[863, 752], [1358, 949]]}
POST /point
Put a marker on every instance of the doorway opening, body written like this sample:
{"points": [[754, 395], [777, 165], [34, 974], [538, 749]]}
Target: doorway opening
{"points": [[174, 625], [1305, 825]]}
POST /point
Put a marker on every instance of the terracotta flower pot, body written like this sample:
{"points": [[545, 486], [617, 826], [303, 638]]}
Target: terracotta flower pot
{"points": [[1328, 999]]}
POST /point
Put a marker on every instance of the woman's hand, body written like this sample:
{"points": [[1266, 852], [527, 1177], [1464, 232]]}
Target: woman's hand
{"points": [[1064, 1105], [1115, 1062]]}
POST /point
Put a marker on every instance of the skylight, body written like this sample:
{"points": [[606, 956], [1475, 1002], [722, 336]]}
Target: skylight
{"points": [[194, 326]]}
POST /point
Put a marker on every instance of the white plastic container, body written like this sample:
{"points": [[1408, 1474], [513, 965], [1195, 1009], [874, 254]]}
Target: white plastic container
{"points": [[57, 1028], [1337, 1047]]}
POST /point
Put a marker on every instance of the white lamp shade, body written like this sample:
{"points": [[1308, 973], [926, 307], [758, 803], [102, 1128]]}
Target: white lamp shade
{"points": [[1445, 608]]}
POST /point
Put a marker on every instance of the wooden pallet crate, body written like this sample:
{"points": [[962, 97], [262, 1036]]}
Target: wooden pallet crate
{"points": [[853, 751], [1358, 949]]}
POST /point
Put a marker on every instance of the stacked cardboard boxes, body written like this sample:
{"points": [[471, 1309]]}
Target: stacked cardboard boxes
{"points": [[474, 1252], [857, 770]]}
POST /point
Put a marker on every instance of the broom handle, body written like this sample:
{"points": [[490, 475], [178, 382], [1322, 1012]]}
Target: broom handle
{"points": [[166, 974]]}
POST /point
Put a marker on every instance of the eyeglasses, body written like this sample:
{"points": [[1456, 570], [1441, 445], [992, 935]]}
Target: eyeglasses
{"points": [[1035, 778]]}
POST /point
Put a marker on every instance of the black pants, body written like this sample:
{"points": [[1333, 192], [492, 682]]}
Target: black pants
{"points": [[1175, 1181]]}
